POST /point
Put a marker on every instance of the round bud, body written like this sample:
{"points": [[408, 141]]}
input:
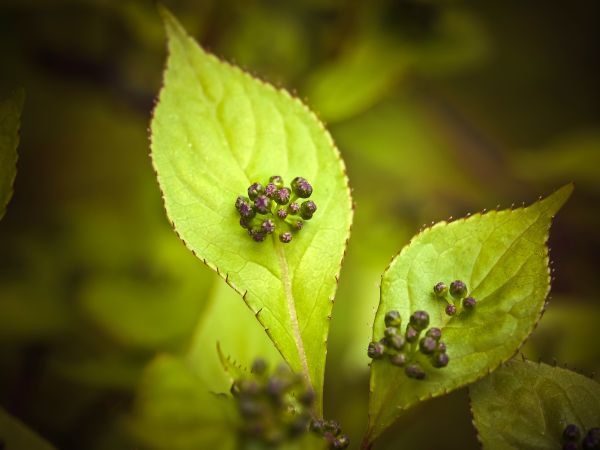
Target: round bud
{"points": [[398, 359], [440, 360], [245, 222], [333, 427], [415, 371], [469, 303], [277, 181], [450, 309], [395, 341], [440, 289], [427, 345], [241, 199], [390, 331], [257, 236], [307, 209], [375, 350], [299, 225], [340, 442], [434, 333], [441, 347], [591, 439], [419, 320], [393, 319], [262, 204], [249, 408], [270, 190], [411, 334], [458, 289], [301, 187], [276, 387], [285, 237], [293, 208], [317, 426], [282, 213], [246, 387], [255, 190], [571, 433], [282, 196], [259, 366], [268, 226], [570, 446]]}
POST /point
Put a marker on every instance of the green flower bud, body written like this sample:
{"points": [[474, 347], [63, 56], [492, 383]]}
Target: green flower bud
{"points": [[293, 208], [434, 333], [268, 226], [390, 331], [341, 442], [440, 360], [282, 196], [412, 334], [301, 187], [398, 359], [285, 237], [375, 350], [458, 289], [259, 366], [307, 209], [450, 309], [393, 319], [255, 190], [277, 181], [440, 289], [395, 341], [419, 320], [427, 345], [415, 371], [262, 204], [469, 303]]}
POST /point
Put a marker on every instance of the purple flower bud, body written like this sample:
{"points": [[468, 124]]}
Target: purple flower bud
{"points": [[268, 226], [441, 347], [469, 303], [270, 190], [392, 319], [299, 225], [341, 442], [282, 213], [419, 320], [285, 237], [434, 333], [395, 341], [307, 209], [450, 309], [412, 334], [317, 426], [440, 289], [375, 350], [415, 371], [277, 181], [458, 289], [240, 200], [282, 196], [571, 433], [301, 187], [262, 204], [245, 222], [255, 190], [440, 360], [257, 236], [427, 345], [398, 359], [293, 208], [390, 331]]}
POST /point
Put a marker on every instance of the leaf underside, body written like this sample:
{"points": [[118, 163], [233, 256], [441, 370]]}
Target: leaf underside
{"points": [[216, 130], [10, 113], [527, 405], [503, 259]]}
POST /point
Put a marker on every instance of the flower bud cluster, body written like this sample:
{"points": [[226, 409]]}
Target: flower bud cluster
{"points": [[331, 432], [275, 409], [458, 299], [402, 349], [274, 208], [571, 438]]}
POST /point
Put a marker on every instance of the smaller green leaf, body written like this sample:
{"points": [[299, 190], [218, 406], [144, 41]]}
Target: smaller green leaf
{"points": [[526, 405], [16, 436], [10, 113], [502, 257], [233, 369]]}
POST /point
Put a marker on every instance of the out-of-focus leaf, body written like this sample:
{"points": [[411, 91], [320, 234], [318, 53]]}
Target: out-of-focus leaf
{"points": [[16, 436], [503, 259], [216, 130], [526, 405], [174, 410], [10, 114]]}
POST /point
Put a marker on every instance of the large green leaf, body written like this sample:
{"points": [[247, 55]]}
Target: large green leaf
{"points": [[16, 436], [503, 259], [526, 405], [10, 113], [216, 130]]}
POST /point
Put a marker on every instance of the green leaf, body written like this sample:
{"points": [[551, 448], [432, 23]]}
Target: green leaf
{"points": [[16, 436], [10, 113], [503, 259], [174, 410], [216, 130], [526, 405]]}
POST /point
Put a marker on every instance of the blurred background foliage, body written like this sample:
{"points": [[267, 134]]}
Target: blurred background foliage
{"points": [[108, 325]]}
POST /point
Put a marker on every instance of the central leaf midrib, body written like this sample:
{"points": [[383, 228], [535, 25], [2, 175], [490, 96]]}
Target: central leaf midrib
{"points": [[291, 307]]}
